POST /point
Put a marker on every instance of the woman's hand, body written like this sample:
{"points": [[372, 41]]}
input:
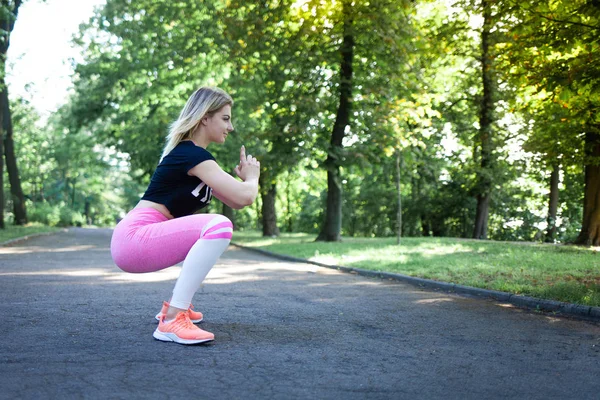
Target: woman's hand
{"points": [[248, 168], [225, 187]]}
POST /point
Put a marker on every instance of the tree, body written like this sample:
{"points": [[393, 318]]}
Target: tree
{"points": [[8, 15], [273, 90], [34, 150], [563, 65], [486, 119], [369, 36], [142, 60], [552, 205], [333, 213]]}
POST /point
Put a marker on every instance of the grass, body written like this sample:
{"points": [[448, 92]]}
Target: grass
{"points": [[14, 232], [556, 272]]}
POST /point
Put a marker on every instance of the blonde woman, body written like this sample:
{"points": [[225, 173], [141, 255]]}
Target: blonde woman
{"points": [[162, 230]]}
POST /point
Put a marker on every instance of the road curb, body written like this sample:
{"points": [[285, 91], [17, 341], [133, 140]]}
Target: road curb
{"points": [[23, 238], [532, 303]]}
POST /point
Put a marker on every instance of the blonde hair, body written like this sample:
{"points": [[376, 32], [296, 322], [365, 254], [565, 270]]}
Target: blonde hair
{"points": [[204, 101]]}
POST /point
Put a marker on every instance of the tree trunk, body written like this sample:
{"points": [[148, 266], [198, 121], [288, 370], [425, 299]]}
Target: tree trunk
{"points": [[289, 216], [269, 214], [425, 226], [87, 211], [11, 163], [590, 229], [257, 209], [228, 212], [416, 228], [1, 169], [553, 205], [333, 213], [73, 194], [7, 23], [398, 188], [485, 129]]}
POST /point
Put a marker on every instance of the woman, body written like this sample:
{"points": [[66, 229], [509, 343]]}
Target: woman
{"points": [[162, 230]]}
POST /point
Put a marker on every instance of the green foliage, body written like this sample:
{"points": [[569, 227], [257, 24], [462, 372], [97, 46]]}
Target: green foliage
{"points": [[65, 174], [69, 217], [54, 214], [143, 59], [301, 197], [44, 213]]}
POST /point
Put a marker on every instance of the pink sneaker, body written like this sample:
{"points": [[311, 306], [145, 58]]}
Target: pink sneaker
{"points": [[181, 330], [195, 316]]}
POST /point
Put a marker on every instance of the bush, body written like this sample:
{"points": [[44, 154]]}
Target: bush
{"points": [[54, 214], [44, 213], [70, 217]]}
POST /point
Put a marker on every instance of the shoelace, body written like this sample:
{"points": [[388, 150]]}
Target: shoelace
{"points": [[182, 322]]}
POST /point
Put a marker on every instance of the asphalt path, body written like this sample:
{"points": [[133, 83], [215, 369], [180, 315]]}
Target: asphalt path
{"points": [[75, 326]]}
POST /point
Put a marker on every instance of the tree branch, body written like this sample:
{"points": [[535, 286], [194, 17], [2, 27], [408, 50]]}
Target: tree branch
{"points": [[539, 14]]}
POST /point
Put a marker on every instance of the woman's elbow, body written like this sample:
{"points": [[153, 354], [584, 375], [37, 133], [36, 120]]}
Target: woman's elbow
{"points": [[248, 200], [241, 203], [237, 206]]}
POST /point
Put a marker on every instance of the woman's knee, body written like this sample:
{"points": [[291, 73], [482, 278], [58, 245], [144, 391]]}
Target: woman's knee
{"points": [[219, 227]]}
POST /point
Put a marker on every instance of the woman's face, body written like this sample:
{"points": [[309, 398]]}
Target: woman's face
{"points": [[218, 126]]}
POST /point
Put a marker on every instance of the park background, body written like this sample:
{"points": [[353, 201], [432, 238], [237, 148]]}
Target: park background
{"points": [[425, 134]]}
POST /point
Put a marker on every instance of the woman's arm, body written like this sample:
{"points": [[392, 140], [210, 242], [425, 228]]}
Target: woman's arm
{"points": [[229, 190]]}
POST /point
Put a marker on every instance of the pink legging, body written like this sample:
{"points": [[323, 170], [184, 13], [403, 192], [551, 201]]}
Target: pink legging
{"points": [[147, 241]]}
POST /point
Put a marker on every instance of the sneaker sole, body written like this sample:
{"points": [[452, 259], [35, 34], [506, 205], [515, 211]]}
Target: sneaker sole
{"points": [[171, 337], [195, 321]]}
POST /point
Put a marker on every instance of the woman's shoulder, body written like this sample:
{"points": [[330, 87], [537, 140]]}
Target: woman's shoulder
{"points": [[187, 148]]}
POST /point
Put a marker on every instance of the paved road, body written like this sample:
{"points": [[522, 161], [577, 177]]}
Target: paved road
{"points": [[74, 326]]}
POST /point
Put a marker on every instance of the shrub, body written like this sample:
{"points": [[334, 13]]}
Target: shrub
{"points": [[44, 213], [70, 217]]}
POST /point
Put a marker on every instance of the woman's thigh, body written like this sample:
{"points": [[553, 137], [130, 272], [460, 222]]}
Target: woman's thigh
{"points": [[146, 241]]}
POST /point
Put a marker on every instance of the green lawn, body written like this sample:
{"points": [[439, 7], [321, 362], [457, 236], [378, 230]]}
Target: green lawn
{"points": [[13, 232], [564, 273]]}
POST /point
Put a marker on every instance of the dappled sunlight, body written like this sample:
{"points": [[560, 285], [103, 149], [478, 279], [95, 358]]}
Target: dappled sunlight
{"points": [[243, 267], [444, 251], [393, 254], [553, 320], [350, 259], [505, 305], [233, 272], [113, 275], [40, 249], [432, 250], [54, 272], [159, 276], [319, 285], [223, 274], [327, 271], [368, 283], [85, 272], [434, 301], [226, 272], [325, 259], [222, 279]]}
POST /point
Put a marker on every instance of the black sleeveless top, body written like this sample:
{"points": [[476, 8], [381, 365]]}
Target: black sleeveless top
{"points": [[171, 185]]}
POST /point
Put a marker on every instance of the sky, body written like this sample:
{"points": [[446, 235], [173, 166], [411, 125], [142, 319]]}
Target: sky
{"points": [[38, 65]]}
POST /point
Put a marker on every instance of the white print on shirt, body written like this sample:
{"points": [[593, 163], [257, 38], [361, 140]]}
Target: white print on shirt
{"points": [[207, 194]]}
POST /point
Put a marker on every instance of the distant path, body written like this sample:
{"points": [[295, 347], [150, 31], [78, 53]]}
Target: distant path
{"points": [[74, 326]]}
